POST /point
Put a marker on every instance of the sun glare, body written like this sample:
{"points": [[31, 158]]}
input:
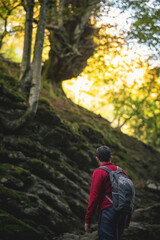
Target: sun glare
{"points": [[78, 87], [135, 77]]}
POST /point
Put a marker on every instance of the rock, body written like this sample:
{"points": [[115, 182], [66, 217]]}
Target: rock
{"points": [[82, 159], [152, 185], [13, 228], [58, 137], [46, 169], [4, 180], [150, 215], [142, 232]]}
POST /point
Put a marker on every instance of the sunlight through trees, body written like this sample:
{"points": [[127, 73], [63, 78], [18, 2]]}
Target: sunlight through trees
{"points": [[119, 85]]}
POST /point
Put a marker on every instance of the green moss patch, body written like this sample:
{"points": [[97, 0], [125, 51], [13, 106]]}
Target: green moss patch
{"points": [[13, 228]]}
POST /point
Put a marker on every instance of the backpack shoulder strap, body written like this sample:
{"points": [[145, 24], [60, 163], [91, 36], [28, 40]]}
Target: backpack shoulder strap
{"points": [[119, 169], [105, 168], [109, 170]]}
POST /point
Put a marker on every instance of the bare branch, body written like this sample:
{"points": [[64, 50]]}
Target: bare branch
{"points": [[2, 16], [126, 120]]}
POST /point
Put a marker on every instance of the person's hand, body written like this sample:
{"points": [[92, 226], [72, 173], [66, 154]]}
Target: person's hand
{"points": [[87, 227]]}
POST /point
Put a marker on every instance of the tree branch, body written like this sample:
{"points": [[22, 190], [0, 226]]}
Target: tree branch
{"points": [[126, 120], [84, 19], [2, 16], [3, 2]]}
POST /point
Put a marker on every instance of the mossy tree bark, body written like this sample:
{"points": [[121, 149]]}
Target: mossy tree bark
{"points": [[71, 38], [37, 59], [36, 71], [25, 74]]}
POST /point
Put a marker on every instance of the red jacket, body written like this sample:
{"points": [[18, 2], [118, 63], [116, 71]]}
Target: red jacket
{"points": [[100, 187]]}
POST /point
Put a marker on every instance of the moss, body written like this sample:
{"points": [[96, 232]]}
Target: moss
{"points": [[41, 169], [3, 154], [46, 113], [13, 228], [93, 133], [46, 103], [24, 144], [74, 127], [12, 176], [57, 173], [21, 171], [10, 97], [125, 166], [9, 193], [56, 154], [35, 161], [8, 84], [8, 81], [77, 207], [9, 67], [67, 170], [122, 154], [10, 168], [60, 137], [84, 144], [66, 165], [4, 167]]}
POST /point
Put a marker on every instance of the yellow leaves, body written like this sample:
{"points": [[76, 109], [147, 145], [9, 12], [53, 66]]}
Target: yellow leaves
{"points": [[124, 89], [78, 89], [13, 40], [46, 46], [12, 48], [135, 78]]}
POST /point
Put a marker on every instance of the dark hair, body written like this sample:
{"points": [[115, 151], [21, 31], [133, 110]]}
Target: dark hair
{"points": [[104, 153]]}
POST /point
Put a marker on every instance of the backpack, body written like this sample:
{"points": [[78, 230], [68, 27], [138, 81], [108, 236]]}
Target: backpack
{"points": [[123, 191]]}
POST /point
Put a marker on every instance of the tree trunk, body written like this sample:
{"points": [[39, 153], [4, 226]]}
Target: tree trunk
{"points": [[71, 39], [37, 59], [36, 72], [25, 75]]}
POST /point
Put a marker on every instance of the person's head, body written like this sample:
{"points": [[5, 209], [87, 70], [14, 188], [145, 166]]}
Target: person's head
{"points": [[103, 154]]}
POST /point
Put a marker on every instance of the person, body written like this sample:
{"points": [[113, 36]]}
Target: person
{"points": [[110, 223]]}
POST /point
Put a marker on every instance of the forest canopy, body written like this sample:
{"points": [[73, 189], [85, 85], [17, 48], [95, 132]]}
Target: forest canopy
{"points": [[109, 49]]}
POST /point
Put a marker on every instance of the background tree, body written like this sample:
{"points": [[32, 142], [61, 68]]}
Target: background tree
{"points": [[37, 59], [7, 10], [145, 22], [122, 87], [71, 41], [25, 74]]}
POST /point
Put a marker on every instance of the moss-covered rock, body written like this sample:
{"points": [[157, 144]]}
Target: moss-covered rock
{"points": [[46, 169], [46, 113], [13, 228]]}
